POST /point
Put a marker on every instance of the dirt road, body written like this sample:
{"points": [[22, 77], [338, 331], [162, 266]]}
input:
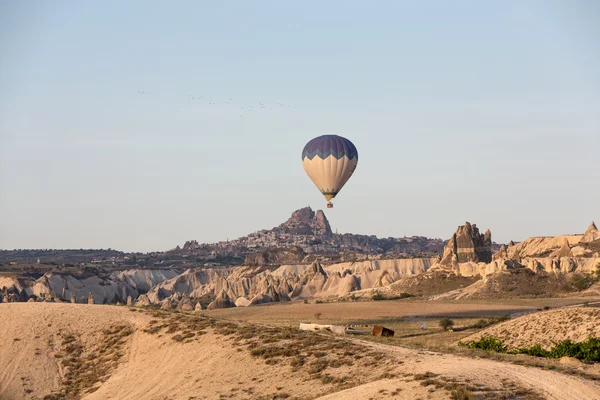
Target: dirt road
{"points": [[552, 385]]}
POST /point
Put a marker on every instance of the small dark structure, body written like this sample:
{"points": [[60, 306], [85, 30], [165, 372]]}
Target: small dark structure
{"points": [[379, 330]]}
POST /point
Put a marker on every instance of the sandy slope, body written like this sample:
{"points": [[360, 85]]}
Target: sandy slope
{"points": [[28, 363], [575, 323], [156, 367]]}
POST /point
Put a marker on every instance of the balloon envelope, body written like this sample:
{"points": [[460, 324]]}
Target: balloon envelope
{"points": [[329, 161]]}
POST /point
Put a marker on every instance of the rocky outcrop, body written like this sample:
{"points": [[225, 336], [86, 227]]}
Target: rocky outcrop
{"points": [[195, 283], [468, 245], [564, 250], [591, 234], [185, 304], [166, 305], [292, 255], [221, 301], [502, 253], [90, 298], [306, 222], [198, 307], [64, 286], [541, 246], [142, 301], [129, 301], [242, 302], [144, 279]]}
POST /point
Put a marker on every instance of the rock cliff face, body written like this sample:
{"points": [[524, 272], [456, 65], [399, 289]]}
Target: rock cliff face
{"points": [[467, 244]]}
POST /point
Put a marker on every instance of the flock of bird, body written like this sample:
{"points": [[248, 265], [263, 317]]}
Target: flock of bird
{"points": [[244, 109]]}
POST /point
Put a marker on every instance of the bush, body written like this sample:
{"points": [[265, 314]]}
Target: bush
{"points": [[501, 318], [588, 350], [581, 282], [486, 342], [378, 296], [535, 351], [482, 323], [446, 323], [403, 295]]}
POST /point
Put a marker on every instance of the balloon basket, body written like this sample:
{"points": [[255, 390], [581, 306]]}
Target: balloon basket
{"points": [[329, 205]]}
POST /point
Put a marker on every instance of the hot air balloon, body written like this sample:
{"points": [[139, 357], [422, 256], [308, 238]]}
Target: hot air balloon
{"points": [[329, 161]]}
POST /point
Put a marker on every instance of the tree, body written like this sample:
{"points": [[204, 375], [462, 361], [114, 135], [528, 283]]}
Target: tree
{"points": [[446, 323]]}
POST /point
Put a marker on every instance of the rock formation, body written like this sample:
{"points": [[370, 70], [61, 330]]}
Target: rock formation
{"points": [[129, 301], [165, 305], [142, 301], [73, 299], [90, 298], [242, 302], [185, 304], [591, 234], [468, 245], [198, 307], [306, 222], [500, 254], [564, 250], [221, 301]]}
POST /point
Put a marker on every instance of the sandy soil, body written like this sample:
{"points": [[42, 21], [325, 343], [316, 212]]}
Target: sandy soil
{"points": [[552, 385], [544, 327], [156, 367]]}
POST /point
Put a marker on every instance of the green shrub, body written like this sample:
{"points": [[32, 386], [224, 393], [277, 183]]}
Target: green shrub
{"points": [[378, 296], [581, 282], [501, 318], [486, 342], [588, 350], [535, 351], [446, 323], [482, 323]]}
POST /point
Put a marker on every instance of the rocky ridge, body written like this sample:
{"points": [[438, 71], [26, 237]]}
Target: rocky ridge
{"points": [[249, 285]]}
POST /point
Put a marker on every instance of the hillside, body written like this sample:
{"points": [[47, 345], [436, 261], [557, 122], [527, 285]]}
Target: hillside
{"points": [[311, 232], [305, 236], [101, 352], [545, 327]]}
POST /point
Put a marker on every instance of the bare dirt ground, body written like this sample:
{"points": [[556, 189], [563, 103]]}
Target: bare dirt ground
{"points": [[123, 354]]}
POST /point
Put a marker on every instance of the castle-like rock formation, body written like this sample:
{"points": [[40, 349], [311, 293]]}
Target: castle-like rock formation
{"points": [[468, 245]]}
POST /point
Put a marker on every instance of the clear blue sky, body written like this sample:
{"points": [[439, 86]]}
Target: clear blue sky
{"points": [[465, 110]]}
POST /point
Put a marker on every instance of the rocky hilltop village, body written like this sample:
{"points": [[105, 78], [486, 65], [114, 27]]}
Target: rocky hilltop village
{"points": [[307, 233], [467, 268], [304, 237]]}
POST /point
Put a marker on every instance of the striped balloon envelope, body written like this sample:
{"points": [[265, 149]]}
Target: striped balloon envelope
{"points": [[329, 161]]}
